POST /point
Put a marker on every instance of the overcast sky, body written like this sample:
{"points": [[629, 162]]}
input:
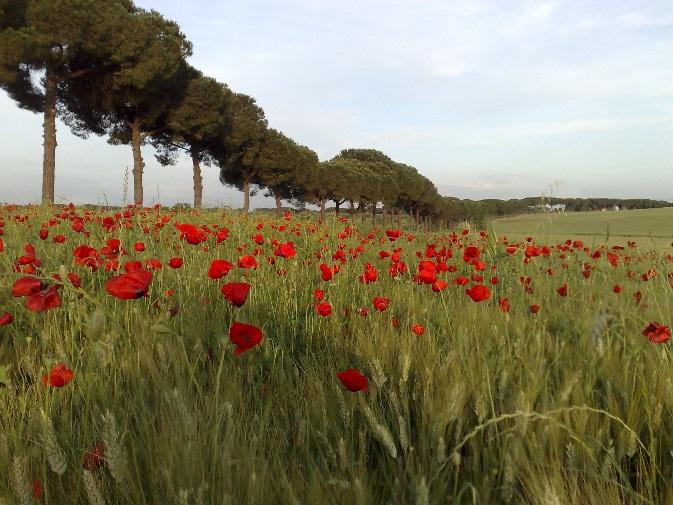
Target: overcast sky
{"points": [[488, 99]]}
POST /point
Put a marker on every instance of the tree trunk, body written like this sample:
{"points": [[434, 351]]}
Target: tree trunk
{"points": [[279, 204], [49, 133], [246, 196], [399, 218], [322, 209], [384, 212], [138, 163], [198, 181], [336, 206], [374, 214]]}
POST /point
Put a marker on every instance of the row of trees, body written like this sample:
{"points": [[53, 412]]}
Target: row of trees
{"points": [[481, 210], [110, 68]]}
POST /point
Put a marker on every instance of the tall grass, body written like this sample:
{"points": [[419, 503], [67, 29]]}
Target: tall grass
{"points": [[567, 406]]}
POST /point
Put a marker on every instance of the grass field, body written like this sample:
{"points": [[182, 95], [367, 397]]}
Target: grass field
{"points": [[648, 227], [477, 371]]}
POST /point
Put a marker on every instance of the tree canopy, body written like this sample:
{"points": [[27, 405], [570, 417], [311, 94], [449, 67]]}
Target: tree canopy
{"points": [[133, 100], [196, 126], [111, 68], [45, 44]]}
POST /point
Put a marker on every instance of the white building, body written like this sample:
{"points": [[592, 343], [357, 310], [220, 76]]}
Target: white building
{"points": [[546, 207]]}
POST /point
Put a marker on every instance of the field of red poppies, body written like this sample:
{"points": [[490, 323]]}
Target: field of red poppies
{"points": [[154, 356]]}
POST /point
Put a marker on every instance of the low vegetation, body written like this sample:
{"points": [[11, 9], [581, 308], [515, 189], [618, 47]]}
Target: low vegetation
{"points": [[171, 356]]}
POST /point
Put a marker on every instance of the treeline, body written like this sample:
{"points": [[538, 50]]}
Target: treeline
{"points": [[482, 209], [113, 69]]}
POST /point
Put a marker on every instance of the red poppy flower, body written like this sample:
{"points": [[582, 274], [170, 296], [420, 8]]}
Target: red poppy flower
{"points": [[370, 274], [461, 280], [5, 319], [129, 286], [58, 376], [563, 290], [219, 268], [504, 305], [285, 250], [75, 280], [26, 286], [94, 459], [236, 292], [247, 262], [393, 234], [245, 336], [478, 293], [534, 309], [323, 308], [175, 262], [139, 246], [439, 285], [44, 300], [87, 256], [471, 253], [427, 275], [132, 266], [318, 295], [111, 265], [37, 489], [153, 264], [381, 303], [656, 333], [353, 380], [417, 329], [191, 233]]}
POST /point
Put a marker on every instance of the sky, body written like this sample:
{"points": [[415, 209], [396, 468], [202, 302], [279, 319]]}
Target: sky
{"points": [[488, 99]]}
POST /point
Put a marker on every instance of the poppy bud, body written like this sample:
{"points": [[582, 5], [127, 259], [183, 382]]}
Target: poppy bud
{"points": [[96, 324]]}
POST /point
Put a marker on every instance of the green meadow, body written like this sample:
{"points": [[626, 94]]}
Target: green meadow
{"points": [[647, 227], [490, 401]]}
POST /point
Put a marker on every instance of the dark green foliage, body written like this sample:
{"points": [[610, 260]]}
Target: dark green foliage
{"points": [[196, 126], [480, 210], [60, 41], [240, 149], [132, 101]]}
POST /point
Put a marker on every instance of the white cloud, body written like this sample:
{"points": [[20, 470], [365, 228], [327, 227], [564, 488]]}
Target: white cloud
{"points": [[628, 20], [553, 128], [532, 19]]}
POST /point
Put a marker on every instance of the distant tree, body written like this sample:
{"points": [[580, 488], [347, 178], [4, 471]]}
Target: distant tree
{"points": [[281, 167], [132, 102], [381, 177], [195, 126], [314, 186], [347, 180], [239, 150], [47, 43]]}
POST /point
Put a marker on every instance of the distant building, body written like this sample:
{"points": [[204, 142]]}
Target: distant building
{"points": [[546, 207], [615, 207]]}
